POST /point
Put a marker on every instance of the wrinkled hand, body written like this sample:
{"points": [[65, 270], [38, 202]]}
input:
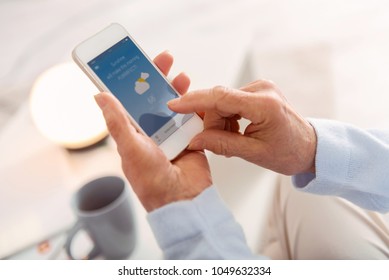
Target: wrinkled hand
{"points": [[277, 138], [155, 179]]}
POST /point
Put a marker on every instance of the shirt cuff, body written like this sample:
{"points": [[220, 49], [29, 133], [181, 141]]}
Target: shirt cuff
{"points": [[331, 161], [182, 220]]}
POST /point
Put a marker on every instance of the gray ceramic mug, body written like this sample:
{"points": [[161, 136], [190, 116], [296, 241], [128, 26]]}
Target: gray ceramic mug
{"points": [[103, 209]]}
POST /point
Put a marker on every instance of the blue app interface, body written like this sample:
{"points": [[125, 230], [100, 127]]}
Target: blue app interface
{"points": [[141, 89]]}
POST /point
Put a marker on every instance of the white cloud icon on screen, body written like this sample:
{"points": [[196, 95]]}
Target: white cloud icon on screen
{"points": [[141, 86]]}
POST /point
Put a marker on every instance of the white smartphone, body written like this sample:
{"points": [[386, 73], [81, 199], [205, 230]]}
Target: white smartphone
{"points": [[115, 63]]}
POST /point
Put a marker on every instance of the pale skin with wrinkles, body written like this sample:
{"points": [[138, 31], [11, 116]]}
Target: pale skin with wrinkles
{"points": [[277, 138]]}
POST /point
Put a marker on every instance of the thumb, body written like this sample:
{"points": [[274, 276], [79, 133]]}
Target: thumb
{"points": [[224, 143]]}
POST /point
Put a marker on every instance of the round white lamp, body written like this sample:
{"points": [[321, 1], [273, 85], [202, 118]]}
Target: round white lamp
{"points": [[63, 108]]}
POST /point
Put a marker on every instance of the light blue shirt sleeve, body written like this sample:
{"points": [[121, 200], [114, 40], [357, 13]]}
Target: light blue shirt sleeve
{"points": [[202, 228], [351, 163]]}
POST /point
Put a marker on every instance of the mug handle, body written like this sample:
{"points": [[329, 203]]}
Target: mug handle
{"points": [[75, 229]]}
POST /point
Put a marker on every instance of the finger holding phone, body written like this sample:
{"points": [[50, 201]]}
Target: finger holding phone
{"points": [[156, 180], [114, 62]]}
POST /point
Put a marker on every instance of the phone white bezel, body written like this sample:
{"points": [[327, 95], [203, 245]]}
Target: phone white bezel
{"points": [[105, 39]]}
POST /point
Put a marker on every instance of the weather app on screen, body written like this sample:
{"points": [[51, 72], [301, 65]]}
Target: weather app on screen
{"points": [[141, 89]]}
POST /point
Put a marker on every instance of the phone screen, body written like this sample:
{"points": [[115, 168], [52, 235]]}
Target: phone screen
{"points": [[142, 90]]}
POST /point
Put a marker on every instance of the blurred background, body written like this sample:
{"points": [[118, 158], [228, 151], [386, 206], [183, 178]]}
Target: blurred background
{"points": [[330, 58]]}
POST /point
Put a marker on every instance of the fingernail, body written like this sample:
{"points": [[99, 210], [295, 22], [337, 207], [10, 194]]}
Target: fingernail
{"points": [[100, 100], [173, 102], [196, 144]]}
